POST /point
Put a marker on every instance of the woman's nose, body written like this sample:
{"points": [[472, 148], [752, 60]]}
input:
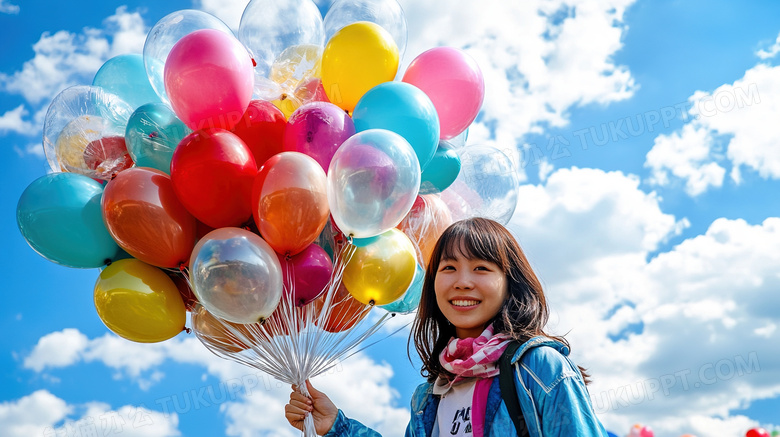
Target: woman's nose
{"points": [[463, 281]]}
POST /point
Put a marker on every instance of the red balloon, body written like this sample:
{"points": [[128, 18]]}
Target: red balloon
{"points": [[213, 172], [262, 129], [757, 432], [187, 295], [146, 219]]}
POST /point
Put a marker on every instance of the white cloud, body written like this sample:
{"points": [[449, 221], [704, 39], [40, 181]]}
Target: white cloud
{"points": [[685, 155], [771, 52], [12, 121], [58, 349], [8, 8], [63, 59], [42, 413], [733, 124], [633, 320]]}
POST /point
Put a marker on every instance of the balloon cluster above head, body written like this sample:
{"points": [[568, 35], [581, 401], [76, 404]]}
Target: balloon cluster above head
{"points": [[263, 167]]}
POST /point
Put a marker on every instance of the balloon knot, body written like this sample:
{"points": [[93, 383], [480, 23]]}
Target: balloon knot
{"points": [[254, 63], [372, 302], [187, 330], [182, 266], [107, 262], [154, 134], [284, 97]]}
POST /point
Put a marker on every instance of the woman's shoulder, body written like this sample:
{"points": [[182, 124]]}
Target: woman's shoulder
{"points": [[546, 362], [420, 394]]}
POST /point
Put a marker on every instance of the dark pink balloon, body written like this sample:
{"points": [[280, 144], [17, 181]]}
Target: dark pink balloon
{"points": [[306, 274], [318, 129]]}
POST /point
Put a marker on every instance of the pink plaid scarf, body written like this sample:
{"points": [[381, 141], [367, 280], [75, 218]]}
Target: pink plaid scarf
{"points": [[474, 357]]}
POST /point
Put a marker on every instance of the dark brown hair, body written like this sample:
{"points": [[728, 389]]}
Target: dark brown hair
{"points": [[524, 312]]}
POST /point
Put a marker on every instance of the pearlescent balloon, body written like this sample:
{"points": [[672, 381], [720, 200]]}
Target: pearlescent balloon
{"points": [[152, 134], [486, 186], [165, 34], [236, 275], [373, 181]]}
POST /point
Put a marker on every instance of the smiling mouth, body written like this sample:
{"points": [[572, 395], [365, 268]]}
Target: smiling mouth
{"points": [[464, 303]]}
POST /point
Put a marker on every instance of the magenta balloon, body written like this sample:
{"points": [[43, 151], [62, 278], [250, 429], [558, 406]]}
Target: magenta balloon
{"points": [[306, 274], [453, 81], [318, 129], [209, 79]]}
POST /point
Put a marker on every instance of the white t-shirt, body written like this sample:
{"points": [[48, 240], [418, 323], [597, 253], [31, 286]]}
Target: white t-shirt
{"points": [[453, 416]]}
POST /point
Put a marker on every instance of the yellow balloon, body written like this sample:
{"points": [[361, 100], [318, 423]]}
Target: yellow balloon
{"points": [[139, 302], [381, 271], [357, 58]]}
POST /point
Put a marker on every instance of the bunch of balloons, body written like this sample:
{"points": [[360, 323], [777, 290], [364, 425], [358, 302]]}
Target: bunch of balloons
{"points": [[277, 183]]}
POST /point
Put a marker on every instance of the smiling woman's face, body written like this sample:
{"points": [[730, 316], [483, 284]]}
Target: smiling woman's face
{"points": [[469, 292]]}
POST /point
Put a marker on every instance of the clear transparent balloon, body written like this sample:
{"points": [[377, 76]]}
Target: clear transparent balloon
{"points": [[386, 13], [165, 34], [373, 181], [83, 132], [486, 186], [268, 28], [236, 275]]}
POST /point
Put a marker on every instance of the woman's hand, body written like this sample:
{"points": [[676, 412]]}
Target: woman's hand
{"points": [[319, 406]]}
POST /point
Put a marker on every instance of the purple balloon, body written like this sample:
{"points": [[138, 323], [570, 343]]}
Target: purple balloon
{"points": [[306, 274], [318, 129]]}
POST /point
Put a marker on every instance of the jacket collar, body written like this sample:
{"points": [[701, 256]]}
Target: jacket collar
{"points": [[537, 341]]}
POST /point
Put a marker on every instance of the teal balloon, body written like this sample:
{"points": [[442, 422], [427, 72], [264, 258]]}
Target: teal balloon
{"points": [[152, 134], [404, 109], [125, 76], [411, 298], [442, 170], [363, 242], [59, 215]]}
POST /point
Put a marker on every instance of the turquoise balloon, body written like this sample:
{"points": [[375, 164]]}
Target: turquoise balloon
{"points": [[442, 170], [152, 134], [411, 298], [59, 215], [403, 109], [125, 76]]}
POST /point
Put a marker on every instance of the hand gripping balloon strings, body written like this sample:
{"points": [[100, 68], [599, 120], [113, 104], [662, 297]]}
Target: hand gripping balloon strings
{"points": [[297, 342]]}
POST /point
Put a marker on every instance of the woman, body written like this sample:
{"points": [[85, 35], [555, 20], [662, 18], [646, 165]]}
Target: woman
{"points": [[479, 296]]}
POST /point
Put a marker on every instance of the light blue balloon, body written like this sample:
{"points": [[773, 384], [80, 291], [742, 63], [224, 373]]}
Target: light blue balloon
{"points": [[59, 215], [152, 134], [441, 171], [403, 109], [411, 298], [125, 76]]}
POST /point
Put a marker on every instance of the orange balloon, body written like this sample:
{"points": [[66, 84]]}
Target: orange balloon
{"points": [[146, 219], [345, 312], [290, 202], [217, 332], [425, 223]]}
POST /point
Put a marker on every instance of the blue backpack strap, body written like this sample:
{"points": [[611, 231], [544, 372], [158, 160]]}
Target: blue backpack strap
{"points": [[506, 379]]}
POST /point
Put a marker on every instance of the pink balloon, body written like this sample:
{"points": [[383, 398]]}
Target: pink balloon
{"points": [[646, 431], [306, 274], [317, 129], [453, 81], [209, 79]]}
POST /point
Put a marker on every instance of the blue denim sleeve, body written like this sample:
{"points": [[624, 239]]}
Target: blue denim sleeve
{"points": [[345, 427], [567, 411]]}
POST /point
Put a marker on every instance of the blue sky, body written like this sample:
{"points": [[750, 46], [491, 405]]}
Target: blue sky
{"points": [[644, 132]]}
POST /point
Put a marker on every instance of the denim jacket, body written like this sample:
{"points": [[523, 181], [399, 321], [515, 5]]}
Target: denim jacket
{"points": [[552, 394]]}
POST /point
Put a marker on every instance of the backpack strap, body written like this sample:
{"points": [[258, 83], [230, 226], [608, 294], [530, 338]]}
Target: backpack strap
{"points": [[506, 379]]}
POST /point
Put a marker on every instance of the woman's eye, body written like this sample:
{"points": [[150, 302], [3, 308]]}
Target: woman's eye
{"points": [[447, 268], [481, 268]]}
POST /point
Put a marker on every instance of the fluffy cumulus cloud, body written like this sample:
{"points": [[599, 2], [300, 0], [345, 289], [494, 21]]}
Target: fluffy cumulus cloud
{"points": [[7, 7], [239, 390], [632, 317], [63, 59], [44, 414], [731, 126]]}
